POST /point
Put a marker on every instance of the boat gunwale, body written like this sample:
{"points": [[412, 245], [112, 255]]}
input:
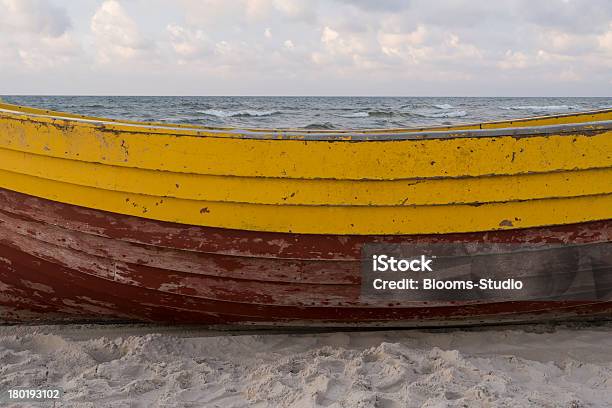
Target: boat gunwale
{"points": [[356, 135]]}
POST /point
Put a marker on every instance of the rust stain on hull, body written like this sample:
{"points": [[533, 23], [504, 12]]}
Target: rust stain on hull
{"points": [[63, 262]]}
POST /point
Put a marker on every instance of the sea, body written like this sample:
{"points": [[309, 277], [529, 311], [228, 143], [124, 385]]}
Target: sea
{"points": [[311, 112]]}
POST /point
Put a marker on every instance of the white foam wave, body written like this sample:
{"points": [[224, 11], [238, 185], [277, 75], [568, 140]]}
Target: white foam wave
{"points": [[355, 115], [229, 114], [452, 114], [541, 107], [444, 106]]}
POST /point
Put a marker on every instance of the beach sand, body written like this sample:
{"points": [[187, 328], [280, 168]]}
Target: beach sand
{"points": [[149, 366]]}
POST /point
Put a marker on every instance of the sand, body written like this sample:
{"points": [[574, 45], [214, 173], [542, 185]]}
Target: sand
{"points": [[143, 366]]}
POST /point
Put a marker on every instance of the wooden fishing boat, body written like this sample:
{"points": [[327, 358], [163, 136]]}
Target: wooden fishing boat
{"points": [[115, 220]]}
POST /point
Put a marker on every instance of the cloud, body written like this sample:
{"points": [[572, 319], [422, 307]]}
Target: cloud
{"points": [[289, 45], [335, 44], [570, 74], [116, 34], [407, 46], [409, 40], [33, 16], [514, 60], [378, 6], [239, 12], [329, 36], [243, 44], [605, 40], [189, 43], [36, 35], [296, 9], [573, 16]]}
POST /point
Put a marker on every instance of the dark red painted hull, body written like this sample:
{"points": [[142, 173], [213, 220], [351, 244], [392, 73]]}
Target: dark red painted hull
{"points": [[63, 262]]}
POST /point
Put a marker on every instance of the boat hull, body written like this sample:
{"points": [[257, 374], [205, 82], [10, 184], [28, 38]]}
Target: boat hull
{"points": [[61, 262], [107, 220]]}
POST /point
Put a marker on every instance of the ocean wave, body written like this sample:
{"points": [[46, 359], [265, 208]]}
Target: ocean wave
{"points": [[443, 106], [375, 114], [440, 115], [444, 113], [354, 115], [541, 107], [320, 126], [94, 106], [383, 114], [240, 113]]}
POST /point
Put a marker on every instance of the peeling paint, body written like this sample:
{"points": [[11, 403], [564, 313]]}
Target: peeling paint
{"points": [[90, 230], [37, 286], [107, 266]]}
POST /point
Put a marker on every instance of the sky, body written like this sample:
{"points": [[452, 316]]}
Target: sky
{"points": [[307, 47]]}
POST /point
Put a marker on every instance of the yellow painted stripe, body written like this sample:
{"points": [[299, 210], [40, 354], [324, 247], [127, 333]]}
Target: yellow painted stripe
{"points": [[280, 191], [376, 160], [540, 121], [323, 219]]}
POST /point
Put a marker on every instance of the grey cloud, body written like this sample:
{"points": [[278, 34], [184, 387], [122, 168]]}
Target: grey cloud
{"points": [[375, 5], [218, 44], [34, 16], [579, 16]]}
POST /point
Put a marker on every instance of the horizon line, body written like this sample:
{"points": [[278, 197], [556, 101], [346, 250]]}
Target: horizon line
{"points": [[304, 96]]}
